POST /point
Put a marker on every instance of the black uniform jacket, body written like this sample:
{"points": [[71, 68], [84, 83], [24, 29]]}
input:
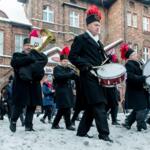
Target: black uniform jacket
{"points": [[86, 52], [136, 97]]}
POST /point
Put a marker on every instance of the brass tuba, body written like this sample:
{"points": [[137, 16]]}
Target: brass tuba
{"points": [[47, 37]]}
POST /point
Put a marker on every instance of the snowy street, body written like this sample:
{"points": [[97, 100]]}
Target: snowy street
{"points": [[45, 138]]}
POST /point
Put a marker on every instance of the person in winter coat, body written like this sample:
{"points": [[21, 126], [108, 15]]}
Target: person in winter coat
{"points": [[48, 99], [87, 51], [63, 91], [28, 68], [136, 96]]}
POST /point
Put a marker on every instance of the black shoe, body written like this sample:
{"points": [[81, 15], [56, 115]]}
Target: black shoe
{"points": [[12, 126], [57, 127], [115, 123], [29, 129], [105, 138], [42, 120], [70, 128], [1, 118], [88, 136], [126, 126], [148, 121], [142, 126]]}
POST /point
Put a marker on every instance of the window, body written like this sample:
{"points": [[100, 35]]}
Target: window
{"points": [[135, 20], [19, 42], [146, 24], [132, 20], [74, 19], [48, 15], [129, 19], [136, 48], [146, 53], [1, 42]]}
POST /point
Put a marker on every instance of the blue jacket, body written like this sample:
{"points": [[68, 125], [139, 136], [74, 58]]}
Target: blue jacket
{"points": [[48, 95]]}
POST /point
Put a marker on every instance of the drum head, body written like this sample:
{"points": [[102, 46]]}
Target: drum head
{"points": [[110, 71], [146, 71]]}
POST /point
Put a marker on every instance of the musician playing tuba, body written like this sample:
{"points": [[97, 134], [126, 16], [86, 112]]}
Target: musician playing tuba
{"points": [[28, 67]]}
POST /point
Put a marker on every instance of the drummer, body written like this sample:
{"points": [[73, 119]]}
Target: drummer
{"points": [[136, 96], [87, 51]]}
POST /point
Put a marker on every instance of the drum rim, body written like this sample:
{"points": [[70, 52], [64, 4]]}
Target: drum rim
{"points": [[113, 77], [145, 66]]}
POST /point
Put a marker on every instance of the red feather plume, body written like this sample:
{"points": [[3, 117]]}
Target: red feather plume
{"points": [[114, 58], [65, 51], [34, 33], [94, 10], [123, 49]]}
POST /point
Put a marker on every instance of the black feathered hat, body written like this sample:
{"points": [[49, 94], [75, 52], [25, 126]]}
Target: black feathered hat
{"points": [[26, 41], [93, 14], [126, 51]]}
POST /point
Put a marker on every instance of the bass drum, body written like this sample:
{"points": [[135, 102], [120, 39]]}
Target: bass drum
{"points": [[111, 75]]}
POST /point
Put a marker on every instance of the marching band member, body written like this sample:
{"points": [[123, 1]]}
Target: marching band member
{"points": [[88, 51], [136, 96], [63, 90], [28, 68]]}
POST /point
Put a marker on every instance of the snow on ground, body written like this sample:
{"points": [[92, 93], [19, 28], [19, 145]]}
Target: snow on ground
{"points": [[45, 138]]}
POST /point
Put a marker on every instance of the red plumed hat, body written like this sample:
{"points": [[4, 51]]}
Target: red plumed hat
{"points": [[125, 51], [93, 14], [34, 33], [64, 53]]}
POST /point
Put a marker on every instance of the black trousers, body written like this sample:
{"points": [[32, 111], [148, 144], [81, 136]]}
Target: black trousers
{"points": [[137, 115], [113, 111], [17, 111], [48, 112], [75, 114], [66, 113], [97, 112]]}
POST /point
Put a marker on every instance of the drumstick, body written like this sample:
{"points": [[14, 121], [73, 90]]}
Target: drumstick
{"points": [[95, 67], [148, 76]]}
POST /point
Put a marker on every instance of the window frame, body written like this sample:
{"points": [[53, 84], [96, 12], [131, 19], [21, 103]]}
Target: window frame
{"points": [[146, 53], [135, 22], [1, 42], [129, 19], [146, 24], [75, 17], [49, 15]]}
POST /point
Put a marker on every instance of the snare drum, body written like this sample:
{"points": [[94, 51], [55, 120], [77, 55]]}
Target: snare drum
{"points": [[146, 72], [111, 74]]}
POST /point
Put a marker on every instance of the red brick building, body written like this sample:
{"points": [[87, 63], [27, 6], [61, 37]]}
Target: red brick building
{"points": [[123, 20], [14, 26]]}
